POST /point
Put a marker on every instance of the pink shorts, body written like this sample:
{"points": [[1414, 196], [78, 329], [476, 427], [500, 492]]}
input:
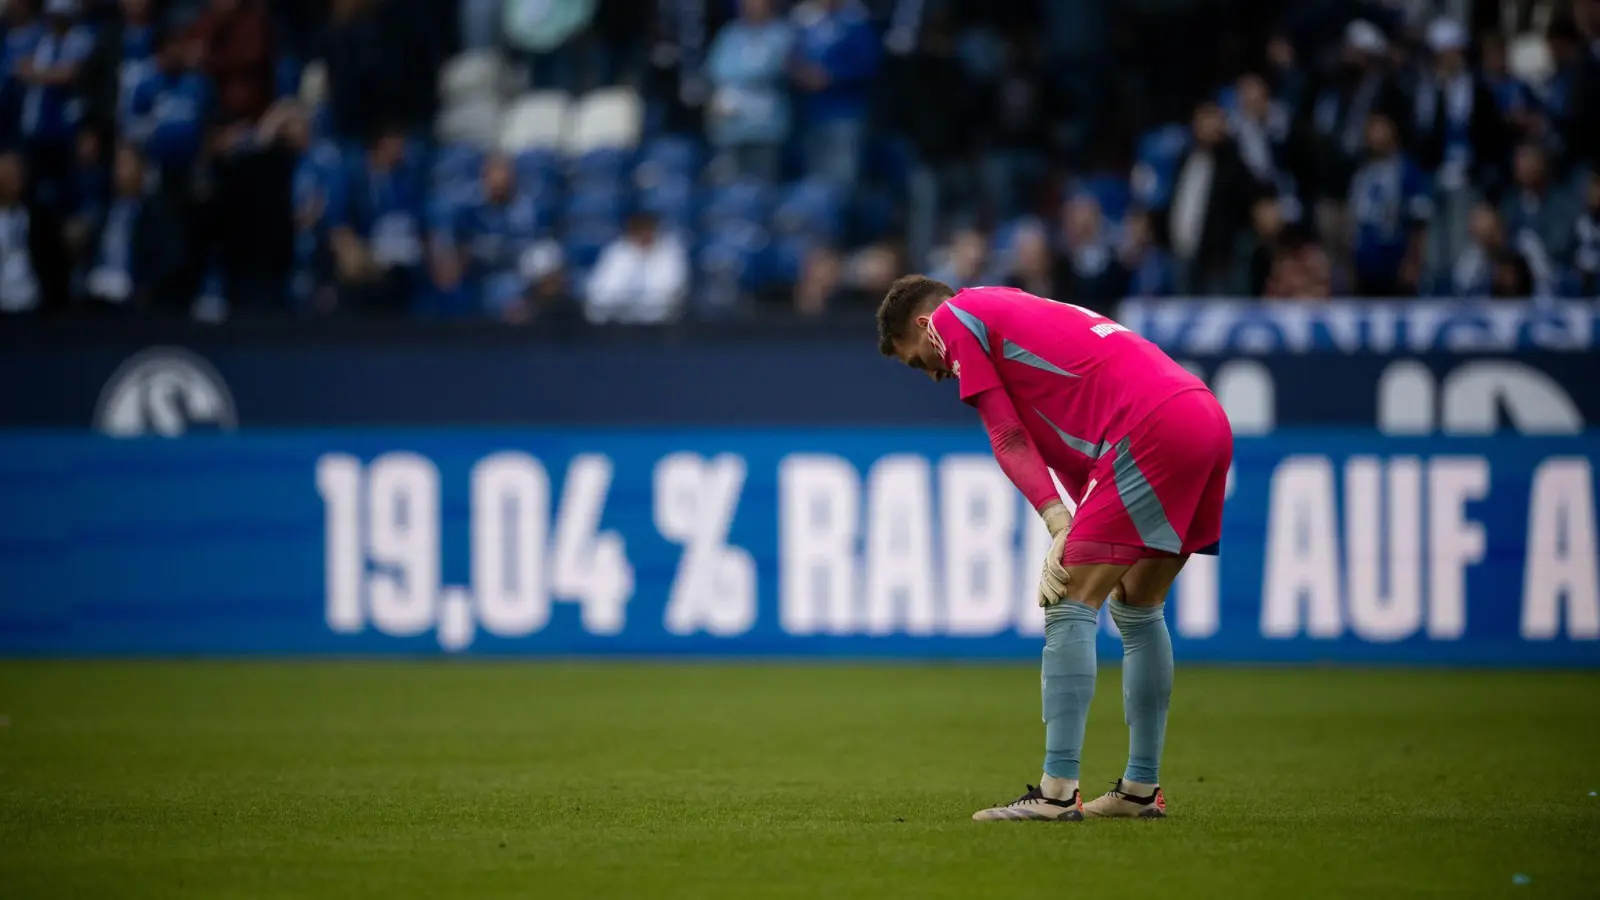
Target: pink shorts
{"points": [[1158, 491]]}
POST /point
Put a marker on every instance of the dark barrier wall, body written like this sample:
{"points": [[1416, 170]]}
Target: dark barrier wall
{"points": [[1406, 369]]}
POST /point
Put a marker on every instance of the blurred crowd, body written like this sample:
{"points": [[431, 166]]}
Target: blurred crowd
{"points": [[648, 160]]}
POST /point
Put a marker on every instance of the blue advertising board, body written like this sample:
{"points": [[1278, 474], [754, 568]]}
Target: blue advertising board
{"points": [[1339, 545]]}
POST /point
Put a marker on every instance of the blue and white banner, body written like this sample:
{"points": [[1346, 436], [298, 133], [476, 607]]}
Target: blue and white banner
{"points": [[1338, 545], [1250, 327]]}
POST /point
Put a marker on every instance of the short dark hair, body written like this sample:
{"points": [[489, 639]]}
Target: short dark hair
{"points": [[909, 295]]}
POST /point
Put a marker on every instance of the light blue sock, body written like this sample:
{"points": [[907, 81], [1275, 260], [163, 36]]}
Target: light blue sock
{"points": [[1146, 686], [1067, 684]]}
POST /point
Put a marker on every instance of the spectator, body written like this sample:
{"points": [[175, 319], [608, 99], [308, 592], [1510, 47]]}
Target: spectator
{"points": [[248, 216], [1094, 279], [382, 63], [1023, 122], [1583, 137], [1585, 243], [317, 174], [23, 31], [375, 228], [940, 133], [821, 275], [1537, 214], [748, 116], [965, 261], [641, 278], [487, 251], [32, 261], [167, 114], [543, 269], [1489, 264], [122, 55], [547, 31], [137, 255], [1034, 268], [1461, 139], [1259, 249], [1513, 278], [1287, 264], [86, 200], [1562, 93], [872, 269], [1149, 268], [1336, 121], [234, 41], [1260, 127], [1210, 201], [50, 114], [1518, 105], [835, 59], [1390, 208]]}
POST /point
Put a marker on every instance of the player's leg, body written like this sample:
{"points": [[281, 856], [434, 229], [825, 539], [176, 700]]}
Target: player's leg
{"points": [[1172, 476], [1147, 668], [1067, 676]]}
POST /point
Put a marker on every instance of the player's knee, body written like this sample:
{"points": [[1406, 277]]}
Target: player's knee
{"points": [[1090, 585], [1148, 581]]}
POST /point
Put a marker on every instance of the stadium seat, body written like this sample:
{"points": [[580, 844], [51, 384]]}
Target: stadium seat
{"points": [[478, 123], [584, 243], [453, 163], [606, 118], [535, 121], [1156, 164], [472, 75], [735, 246], [872, 213], [1112, 192], [543, 165], [603, 164], [746, 200], [810, 207], [786, 258], [667, 157], [671, 199], [596, 204]]}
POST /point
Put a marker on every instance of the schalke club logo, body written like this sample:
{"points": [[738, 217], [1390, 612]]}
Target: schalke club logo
{"points": [[166, 391]]}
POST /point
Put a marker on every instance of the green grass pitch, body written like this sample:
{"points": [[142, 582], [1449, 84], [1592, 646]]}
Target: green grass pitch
{"points": [[599, 780]]}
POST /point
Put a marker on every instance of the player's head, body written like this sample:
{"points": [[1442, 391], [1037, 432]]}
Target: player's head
{"points": [[903, 320]]}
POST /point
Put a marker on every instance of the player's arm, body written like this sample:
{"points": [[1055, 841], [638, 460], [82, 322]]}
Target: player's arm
{"points": [[965, 344], [1019, 458]]}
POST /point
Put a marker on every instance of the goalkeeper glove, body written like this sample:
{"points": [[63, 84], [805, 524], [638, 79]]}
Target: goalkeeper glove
{"points": [[1053, 580]]}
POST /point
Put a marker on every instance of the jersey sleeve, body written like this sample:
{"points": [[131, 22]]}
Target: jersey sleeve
{"points": [[965, 342], [1014, 449]]}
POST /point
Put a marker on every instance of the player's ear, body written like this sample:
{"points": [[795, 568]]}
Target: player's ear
{"points": [[923, 320]]}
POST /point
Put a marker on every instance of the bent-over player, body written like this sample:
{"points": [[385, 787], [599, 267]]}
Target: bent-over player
{"points": [[1145, 448]]}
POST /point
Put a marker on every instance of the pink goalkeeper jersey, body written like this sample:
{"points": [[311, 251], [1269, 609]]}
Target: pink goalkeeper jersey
{"points": [[1079, 381]]}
